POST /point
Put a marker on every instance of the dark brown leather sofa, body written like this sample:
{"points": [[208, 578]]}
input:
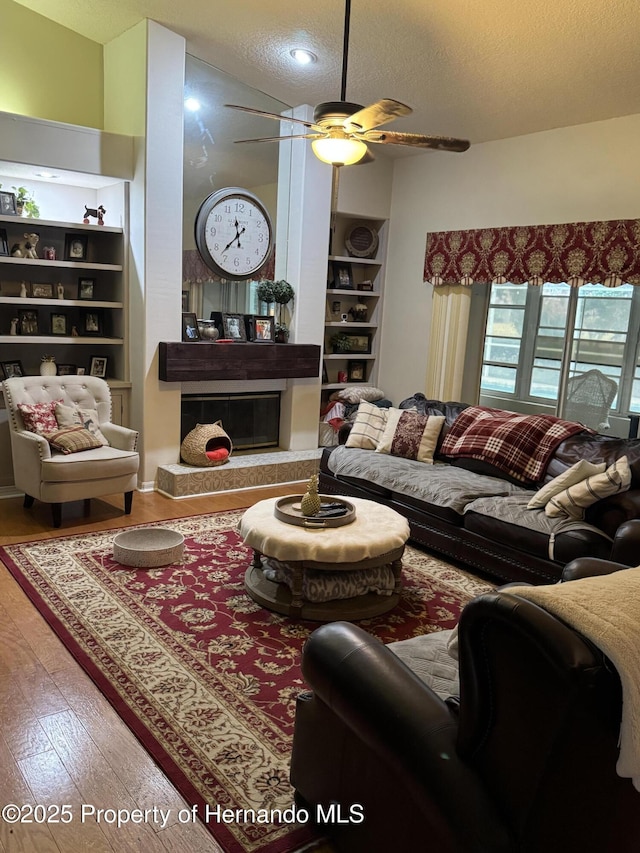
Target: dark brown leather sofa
{"points": [[498, 547], [523, 762]]}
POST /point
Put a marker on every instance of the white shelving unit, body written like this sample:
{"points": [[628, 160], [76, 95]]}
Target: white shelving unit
{"points": [[341, 301], [104, 264]]}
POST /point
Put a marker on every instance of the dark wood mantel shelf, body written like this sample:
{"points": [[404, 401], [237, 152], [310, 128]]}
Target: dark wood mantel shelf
{"points": [[204, 360]]}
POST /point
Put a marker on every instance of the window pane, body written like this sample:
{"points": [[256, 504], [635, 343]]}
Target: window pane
{"points": [[545, 382], [498, 379], [506, 322], [508, 294], [505, 350]]}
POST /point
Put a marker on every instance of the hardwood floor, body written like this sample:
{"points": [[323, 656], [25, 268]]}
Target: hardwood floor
{"points": [[60, 740]]}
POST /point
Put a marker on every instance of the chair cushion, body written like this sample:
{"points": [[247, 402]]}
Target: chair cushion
{"points": [[101, 463], [39, 417], [72, 439], [433, 658], [67, 416]]}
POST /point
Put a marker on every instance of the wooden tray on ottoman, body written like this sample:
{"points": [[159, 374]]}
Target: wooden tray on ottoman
{"points": [[287, 509]]}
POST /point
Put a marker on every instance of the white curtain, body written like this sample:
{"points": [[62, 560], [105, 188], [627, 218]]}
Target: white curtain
{"points": [[448, 341]]}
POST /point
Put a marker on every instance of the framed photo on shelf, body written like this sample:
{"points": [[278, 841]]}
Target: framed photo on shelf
{"points": [[190, 330], [8, 204], [263, 330], [86, 288], [67, 369], [359, 343], [4, 245], [91, 323], [11, 369], [58, 324], [98, 366], [27, 321], [41, 291], [365, 286], [356, 371], [75, 247], [342, 277], [234, 328]]}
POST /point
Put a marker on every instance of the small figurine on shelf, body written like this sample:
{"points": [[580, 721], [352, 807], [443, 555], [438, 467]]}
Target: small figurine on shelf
{"points": [[14, 326], [311, 502], [26, 248], [60, 290], [23, 289], [97, 212], [74, 332]]}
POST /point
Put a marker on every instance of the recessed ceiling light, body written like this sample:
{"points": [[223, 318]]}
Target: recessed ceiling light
{"points": [[192, 104], [46, 175], [303, 56]]}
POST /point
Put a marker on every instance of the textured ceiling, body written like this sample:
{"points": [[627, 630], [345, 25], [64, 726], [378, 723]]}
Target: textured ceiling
{"points": [[478, 69]]}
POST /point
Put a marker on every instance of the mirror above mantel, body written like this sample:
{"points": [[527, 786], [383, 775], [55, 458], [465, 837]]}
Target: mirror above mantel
{"points": [[213, 160]]}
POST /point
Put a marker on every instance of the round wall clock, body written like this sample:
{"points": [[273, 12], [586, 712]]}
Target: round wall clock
{"points": [[361, 240], [234, 235]]}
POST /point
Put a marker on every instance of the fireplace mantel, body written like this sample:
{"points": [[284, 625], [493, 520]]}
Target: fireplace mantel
{"points": [[205, 360]]}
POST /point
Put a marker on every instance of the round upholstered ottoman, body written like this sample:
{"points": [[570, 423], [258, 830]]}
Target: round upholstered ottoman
{"points": [[148, 548]]}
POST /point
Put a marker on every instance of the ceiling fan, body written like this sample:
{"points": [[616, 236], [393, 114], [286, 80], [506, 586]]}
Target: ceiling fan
{"points": [[341, 130]]}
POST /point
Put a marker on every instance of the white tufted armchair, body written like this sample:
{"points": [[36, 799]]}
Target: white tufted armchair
{"points": [[43, 473]]}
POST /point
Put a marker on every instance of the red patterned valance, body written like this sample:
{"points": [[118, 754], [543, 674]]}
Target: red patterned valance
{"points": [[577, 253], [194, 268]]}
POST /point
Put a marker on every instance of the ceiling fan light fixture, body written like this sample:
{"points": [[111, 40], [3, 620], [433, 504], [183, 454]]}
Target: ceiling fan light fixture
{"points": [[339, 151]]}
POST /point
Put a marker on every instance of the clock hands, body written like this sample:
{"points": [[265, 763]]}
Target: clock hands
{"points": [[237, 237]]}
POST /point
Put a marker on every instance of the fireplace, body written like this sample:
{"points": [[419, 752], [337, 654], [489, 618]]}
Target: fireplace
{"points": [[251, 420]]}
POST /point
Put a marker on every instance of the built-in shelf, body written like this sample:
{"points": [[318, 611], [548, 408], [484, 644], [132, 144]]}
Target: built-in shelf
{"points": [[347, 259], [67, 265], [202, 360], [59, 339], [28, 301]]}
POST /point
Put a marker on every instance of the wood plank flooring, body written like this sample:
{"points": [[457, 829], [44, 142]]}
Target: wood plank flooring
{"points": [[60, 740]]}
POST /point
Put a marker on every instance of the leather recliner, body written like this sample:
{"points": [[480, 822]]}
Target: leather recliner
{"points": [[524, 759]]}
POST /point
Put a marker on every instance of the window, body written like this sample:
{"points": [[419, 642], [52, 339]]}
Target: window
{"points": [[524, 355]]}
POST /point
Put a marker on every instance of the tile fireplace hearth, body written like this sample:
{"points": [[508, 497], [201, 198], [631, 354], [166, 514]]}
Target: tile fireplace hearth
{"points": [[242, 471]]}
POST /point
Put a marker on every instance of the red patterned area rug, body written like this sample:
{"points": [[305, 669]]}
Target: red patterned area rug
{"points": [[205, 677]]}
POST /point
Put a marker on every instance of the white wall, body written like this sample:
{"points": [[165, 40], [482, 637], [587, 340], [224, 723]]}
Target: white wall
{"points": [[573, 174]]}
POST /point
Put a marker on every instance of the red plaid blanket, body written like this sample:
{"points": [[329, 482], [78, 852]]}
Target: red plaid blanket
{"points": [[520, 445]]}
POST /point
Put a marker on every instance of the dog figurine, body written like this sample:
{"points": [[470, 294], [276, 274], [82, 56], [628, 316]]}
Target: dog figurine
{"points": [[26, 248], [97, 212]]}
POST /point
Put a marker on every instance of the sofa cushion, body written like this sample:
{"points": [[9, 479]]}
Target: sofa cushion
{"points": [[368, 426], [429, 657], [573, 501], [410, 435], [596, 447], [580, 471]]}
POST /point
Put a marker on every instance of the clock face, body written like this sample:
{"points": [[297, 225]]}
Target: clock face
{"points": [[233, 233]]}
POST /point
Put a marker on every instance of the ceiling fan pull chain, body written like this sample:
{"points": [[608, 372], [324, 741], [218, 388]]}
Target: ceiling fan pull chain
{"points": [[345, 50]]}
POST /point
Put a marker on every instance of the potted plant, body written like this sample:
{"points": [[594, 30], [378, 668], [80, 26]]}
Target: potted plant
{"points": [[340, 342], [282, 296], [25, 203], [265, 292]]}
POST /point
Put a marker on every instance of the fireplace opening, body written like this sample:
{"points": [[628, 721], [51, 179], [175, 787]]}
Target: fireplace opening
{"points": [[251, 420]]}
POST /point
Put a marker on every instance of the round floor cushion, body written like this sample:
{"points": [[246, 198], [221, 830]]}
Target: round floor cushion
{"points": [[206, 445]]}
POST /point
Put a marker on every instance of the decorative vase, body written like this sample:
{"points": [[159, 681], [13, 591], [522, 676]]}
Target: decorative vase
{"points": [[48, 368]]}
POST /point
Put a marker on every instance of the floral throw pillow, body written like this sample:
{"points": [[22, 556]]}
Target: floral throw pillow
{"points": [[39, 417]]}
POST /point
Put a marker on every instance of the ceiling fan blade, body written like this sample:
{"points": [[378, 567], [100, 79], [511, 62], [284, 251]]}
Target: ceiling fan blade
{"points": [[275, 116], [418, 140], [377, 114], [280, 138]]}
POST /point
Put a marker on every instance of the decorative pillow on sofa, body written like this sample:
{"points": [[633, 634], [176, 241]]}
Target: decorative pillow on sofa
{"points": [[72, 439], [573, 501], [410, 435], [578, 472], [368, 426], [357, 393], [67, 416], [39, 417]]}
